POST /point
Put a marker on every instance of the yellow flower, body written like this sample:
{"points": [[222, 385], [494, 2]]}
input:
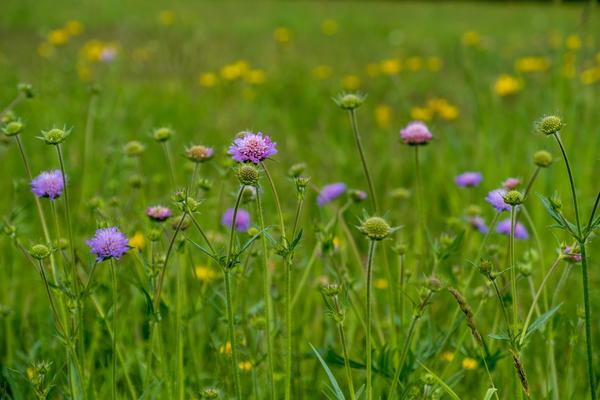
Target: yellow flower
{"points": [[256, 77], [137, 241], [414, 63], [381, 283], [204, 273], [92, 50], [447, 356], [383, 116], [321, 72], [73, 27], [471, 39], [507, 85], [207, 79], [329, 27], [350, 82], [469, 363], [282, 35], [590, 76], [45, 50], [337, 243], [531, 64], [573, 42], [443, 108], [421, 113], [245, 366], [166, 17], [372, 70], [391, 66], [434, 64], [58, 37], [234, 71], [225, 348]]}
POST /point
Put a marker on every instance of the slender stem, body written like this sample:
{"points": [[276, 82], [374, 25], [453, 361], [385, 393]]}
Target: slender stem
{"points": [[51, 299], [363, 159], [571, 182], [179, 332], [277, 202], [114, 328], [340, 326], [197, 225], [503, 307], [232, 338], [531, 181], [588, 321], [167, 152], [513, 268], [420, 200], [266, 294], [372, 245], [589, 225], [68, 217]]}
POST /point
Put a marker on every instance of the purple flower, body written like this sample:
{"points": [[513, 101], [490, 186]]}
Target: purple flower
{"points": [[511, 183], [158, 213], [48, 184], [469, 179], [416, 133], [242, 220], [252, 147], [108, 243], [496, 199], [478, 223], [572, 255], [504, 229], [330, 192]]}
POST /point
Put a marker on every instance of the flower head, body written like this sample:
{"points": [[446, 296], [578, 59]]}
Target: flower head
{"points": [[416, 133], [376, 228], [349, 101], [520, 230], [108, 243], [513, 198], [549, 125], [330, 192], [469, 179], [542, 158], [572, 254], [496, 199], [158, 213], [252, 147], [511, 183], [242, 220], [48, 184], [199, 153], [478, 223]]}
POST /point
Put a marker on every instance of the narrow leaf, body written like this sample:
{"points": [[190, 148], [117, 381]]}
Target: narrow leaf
{"points": [[338, 392]]}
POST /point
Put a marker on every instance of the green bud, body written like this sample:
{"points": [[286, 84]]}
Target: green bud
{"points": [[154, 235], [39, 251], [62, 244], [486, 267], [513, 198], [555, 201], [134, 148], [542, 158], [13, 128], [26, 89], [136, 181], [376, 228], [473, 210], [209, 393], [428, 379], [184, 220], [349, 101], [400, 194], [399, 248], [434, 284], [54, 136], [550, 124], [248, 174], [331, 289], [296, 170], [8, 116], [252, 231], [162, 134], [205, 184], [524, 268]]}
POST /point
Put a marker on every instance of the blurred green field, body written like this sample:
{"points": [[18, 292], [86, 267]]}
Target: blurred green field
{"points": [[479, 75]]}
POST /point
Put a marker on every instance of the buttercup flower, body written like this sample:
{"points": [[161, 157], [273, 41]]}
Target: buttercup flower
{"points": [[330, 192], [520, 230], [48, 184], [242, 220], [108, 243], [252, 147], [158, 213], [469, 179], [416, 133], [496, 199]]}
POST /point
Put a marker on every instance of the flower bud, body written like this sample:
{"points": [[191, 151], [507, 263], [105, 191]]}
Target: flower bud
{"points": [[39, 251], [162, 134], [205, 184], [486, 267], [54, 136], [248, 174], [357, 195], [296, 170], [550, 124], [13, 128], [434, 284], [542, 159], [555, 201], [136, 181], [62, 244], [199, 153], [524, 268], [301, 185], [184, 220], [8, 116], [399, 248], [376, 228], [209, 393], [154, 235], [252, 231], [331, 289], [26, 89], [513, 198], [134, 148], [349, 101]]}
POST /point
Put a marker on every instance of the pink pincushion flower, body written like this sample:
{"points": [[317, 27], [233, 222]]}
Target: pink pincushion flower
{"points": [[48, 184], [158, 213], [468, 179], [252, 147], [511, 183], [416, 133]]}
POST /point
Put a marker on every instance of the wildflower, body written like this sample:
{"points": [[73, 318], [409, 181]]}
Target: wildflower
{"points": [[137, 241], [108, 54], [590, 76], [134, 148], [448, 112], [421, 113], [321, 72], [520, 230], [208, 79], [205, 274], [416, 133], [162, 134], [381, 283], [199, 153], [330, 192], [391, 66], [48, 184], [256, 77], [39, 251], [73, 27], [469, 363], [496, 199], [329, 27], [478, 223], [549, 125], [351, 82], [349, 101], [513, 198], [357, 195], [471, 39], [376, 228], [159, 213], [108, 243], [383, 114], [242, 220], [447, 356], [54, 136], [282, 35], [248, 174], [511, 183], [245, 366], [573, 42], [252, 147], [572, 254], [58, 37], [225, 348], [531, 64], [469, 179], [507, 85], [13, 128]]}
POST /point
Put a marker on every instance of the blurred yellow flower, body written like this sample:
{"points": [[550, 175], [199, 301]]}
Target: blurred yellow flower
{"points": [[73, 27], [447, 356], [391, 66], [207, 79], [469, 363], [166, 17], [532, 64], [507, 85], [471, 39], [97, 50], [256, 77], [205, 273], [329, 27], [282, 35], [235, 70], [414, 63], [321, 72], [245, 366], [421, 113], [350, 82], [381, 283], [137, 241], [58, 37], [45, 50], [372, 70], [573, 42], [337, 243], [225, 348], [383, 116], [434, 64], [590, 76]]}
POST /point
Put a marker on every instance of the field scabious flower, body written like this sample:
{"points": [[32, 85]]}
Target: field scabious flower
{"points": [[330, 192], [504, 229], [416, 133], [108, 243], [469, 179], [511, 183], [242, 220], [478, 223], [158, 213], [199, 153], [252, 147], [48, 184], [496, 199]]}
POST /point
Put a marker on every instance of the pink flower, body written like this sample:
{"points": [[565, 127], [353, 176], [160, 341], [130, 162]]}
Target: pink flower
{"points": [[416, 133]]}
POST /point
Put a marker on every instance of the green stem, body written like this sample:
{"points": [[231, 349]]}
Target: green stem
{"points": [[342, 335], [513, 269], [530, 183], [571, 182], [167, 152], [197, 225], [363, 159], [114, 329], [372, 245], [420, 201], [179, 333], [232, 338]]}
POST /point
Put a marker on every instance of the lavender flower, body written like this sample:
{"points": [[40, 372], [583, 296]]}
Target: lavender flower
{"points": [[520, 231], [252, 147], [468, 179], [511, 183], [48, 184], [416, 133], [242, 220], [158, 213], [478, 223], [330, 192], [496, 199], [108, 243]]}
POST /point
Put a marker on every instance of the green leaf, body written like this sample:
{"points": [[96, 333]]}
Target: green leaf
{"points": [[557, 216], [541, 320], [441, 382], [499, 336], [336, 388], [490, 392]]}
